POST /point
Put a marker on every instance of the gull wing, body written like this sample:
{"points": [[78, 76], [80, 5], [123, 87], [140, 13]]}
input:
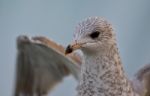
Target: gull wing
{"points": [[141, 81], [41, 64]]}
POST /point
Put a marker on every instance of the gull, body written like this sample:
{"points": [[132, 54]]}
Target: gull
{"points": [[102, 73], [42, 64]]}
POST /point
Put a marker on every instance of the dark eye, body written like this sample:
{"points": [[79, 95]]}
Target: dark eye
{"points": [[95, 34]]}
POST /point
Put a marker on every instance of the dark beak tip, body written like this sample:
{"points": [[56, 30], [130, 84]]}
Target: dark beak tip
{"points": [[68, 50]]}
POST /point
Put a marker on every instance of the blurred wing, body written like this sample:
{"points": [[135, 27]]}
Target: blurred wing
{"points": [[141, 81], [41, 64]]}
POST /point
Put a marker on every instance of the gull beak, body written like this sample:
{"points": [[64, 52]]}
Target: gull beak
{"points": [[71, 47]]}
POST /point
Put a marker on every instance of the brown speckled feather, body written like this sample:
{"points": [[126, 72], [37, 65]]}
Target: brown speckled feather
{"points": [[102, 73]]}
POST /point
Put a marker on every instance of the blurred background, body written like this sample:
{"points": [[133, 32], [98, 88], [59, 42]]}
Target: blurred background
{"points": [[57, 19]]}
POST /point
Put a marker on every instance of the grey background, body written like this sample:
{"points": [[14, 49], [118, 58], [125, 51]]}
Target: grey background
{"points": [[57, 19]]}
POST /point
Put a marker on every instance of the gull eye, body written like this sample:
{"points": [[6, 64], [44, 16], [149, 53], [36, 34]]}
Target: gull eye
{"points": [[95, 34]]}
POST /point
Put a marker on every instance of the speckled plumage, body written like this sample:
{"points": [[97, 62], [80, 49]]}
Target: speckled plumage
{"points": [[102, 73], [38, 70]]}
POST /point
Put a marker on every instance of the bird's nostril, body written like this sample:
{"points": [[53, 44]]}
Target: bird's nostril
{"points": [[68, 49]]}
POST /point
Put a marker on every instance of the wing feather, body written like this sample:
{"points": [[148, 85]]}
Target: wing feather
{"points": [[141, 81], [41, 64]]}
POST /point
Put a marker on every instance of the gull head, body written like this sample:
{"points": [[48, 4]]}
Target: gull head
{"points": [[92, 35]]}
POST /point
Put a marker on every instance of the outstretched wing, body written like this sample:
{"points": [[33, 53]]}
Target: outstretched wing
{"points": [[141, 81], [41, 64]]}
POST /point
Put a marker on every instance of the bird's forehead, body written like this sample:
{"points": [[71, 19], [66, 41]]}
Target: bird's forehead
{"points": [[89, 25]]}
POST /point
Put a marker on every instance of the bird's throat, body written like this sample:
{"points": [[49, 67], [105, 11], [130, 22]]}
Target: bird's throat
{"points": [[103, 75]]}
